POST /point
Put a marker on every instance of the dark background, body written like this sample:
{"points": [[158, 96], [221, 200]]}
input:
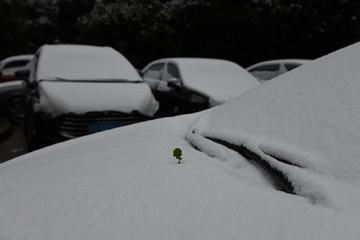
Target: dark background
{"points": [[244, 31]]}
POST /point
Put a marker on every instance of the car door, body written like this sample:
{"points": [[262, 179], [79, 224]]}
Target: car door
{"points": [[174, 98], [170, 78], [169, 90]]}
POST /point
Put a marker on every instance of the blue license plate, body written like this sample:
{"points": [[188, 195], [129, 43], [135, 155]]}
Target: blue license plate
{"points": [[98, 127]]}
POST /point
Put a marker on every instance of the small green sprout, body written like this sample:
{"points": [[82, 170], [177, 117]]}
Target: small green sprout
{"points": [[177, 154]]}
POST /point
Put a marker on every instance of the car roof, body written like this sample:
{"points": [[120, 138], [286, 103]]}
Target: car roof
{"points": [[217, 79], [17, 57], [182, 60]]}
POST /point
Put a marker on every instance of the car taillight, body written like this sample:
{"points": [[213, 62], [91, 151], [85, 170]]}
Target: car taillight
{"points": [[7, 78]]}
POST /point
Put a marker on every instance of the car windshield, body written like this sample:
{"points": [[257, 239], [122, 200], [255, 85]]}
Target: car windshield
{"points": [[274, 176], [84, 62], [218, 79], [302, 124]]}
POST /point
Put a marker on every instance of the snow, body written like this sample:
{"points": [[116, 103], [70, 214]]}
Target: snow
{"points": [[219, 79], [15, 58], [81, 97], [105, 186], [125, 184], [90, 67], [309, 117], [14, 83], [4, 66], [84, 63]]}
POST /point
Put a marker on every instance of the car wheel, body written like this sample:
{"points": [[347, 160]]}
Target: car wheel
{"points": [[15, 110]]}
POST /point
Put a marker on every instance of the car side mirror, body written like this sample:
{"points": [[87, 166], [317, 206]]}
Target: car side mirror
{"points": [[173, 82], [23, 75]]}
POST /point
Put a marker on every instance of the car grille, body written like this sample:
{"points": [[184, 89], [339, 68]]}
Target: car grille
{"points": [[73, 125]]}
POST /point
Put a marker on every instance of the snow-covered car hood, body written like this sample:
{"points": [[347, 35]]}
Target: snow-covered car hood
{"points": [[220, 80], [304, 124], [126, 184], [59, 97]]}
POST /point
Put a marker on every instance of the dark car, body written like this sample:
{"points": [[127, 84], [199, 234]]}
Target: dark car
{"points": [[186, 85], [12, 99]]}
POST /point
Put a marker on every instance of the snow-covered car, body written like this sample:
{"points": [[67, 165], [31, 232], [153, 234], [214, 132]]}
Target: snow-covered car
{"points": [[75, 90], [278, 162], [186, 85], [267, 70], [12, 101], [10, 65]]}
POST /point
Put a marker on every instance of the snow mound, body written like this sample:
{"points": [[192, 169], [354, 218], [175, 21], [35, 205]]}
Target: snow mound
{"points": [[125, 184], [309, 117]]}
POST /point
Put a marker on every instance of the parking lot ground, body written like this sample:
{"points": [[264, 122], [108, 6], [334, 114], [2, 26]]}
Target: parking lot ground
{"points": [[13, 143]]}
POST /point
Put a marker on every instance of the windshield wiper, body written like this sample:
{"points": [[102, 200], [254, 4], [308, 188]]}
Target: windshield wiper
{"points": [[95, 80], [279, 177]]}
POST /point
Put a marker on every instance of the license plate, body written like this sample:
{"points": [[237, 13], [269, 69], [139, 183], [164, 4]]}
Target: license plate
{"points": [[98, 127]]}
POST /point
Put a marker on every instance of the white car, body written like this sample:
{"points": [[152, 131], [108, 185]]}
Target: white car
{"points": [[10, 65], [77, 90], [186, 85], [278, 162], [267, 70]]}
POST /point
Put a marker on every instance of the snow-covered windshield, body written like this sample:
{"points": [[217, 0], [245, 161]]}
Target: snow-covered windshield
{"points": [[305, 124], [84, 63], [218, 79]]}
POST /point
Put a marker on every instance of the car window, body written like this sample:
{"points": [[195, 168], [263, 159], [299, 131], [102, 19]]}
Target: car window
{"points": [[18, 63], [171, 72], [291, 66], [266, 72], [154, 71], [269, 67]]}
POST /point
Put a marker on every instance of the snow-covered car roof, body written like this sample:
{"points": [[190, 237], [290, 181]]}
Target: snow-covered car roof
{"points": [[216, 78], [10, 65], [280, 61], [126, 183], [84, 62], [14, 58]]}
